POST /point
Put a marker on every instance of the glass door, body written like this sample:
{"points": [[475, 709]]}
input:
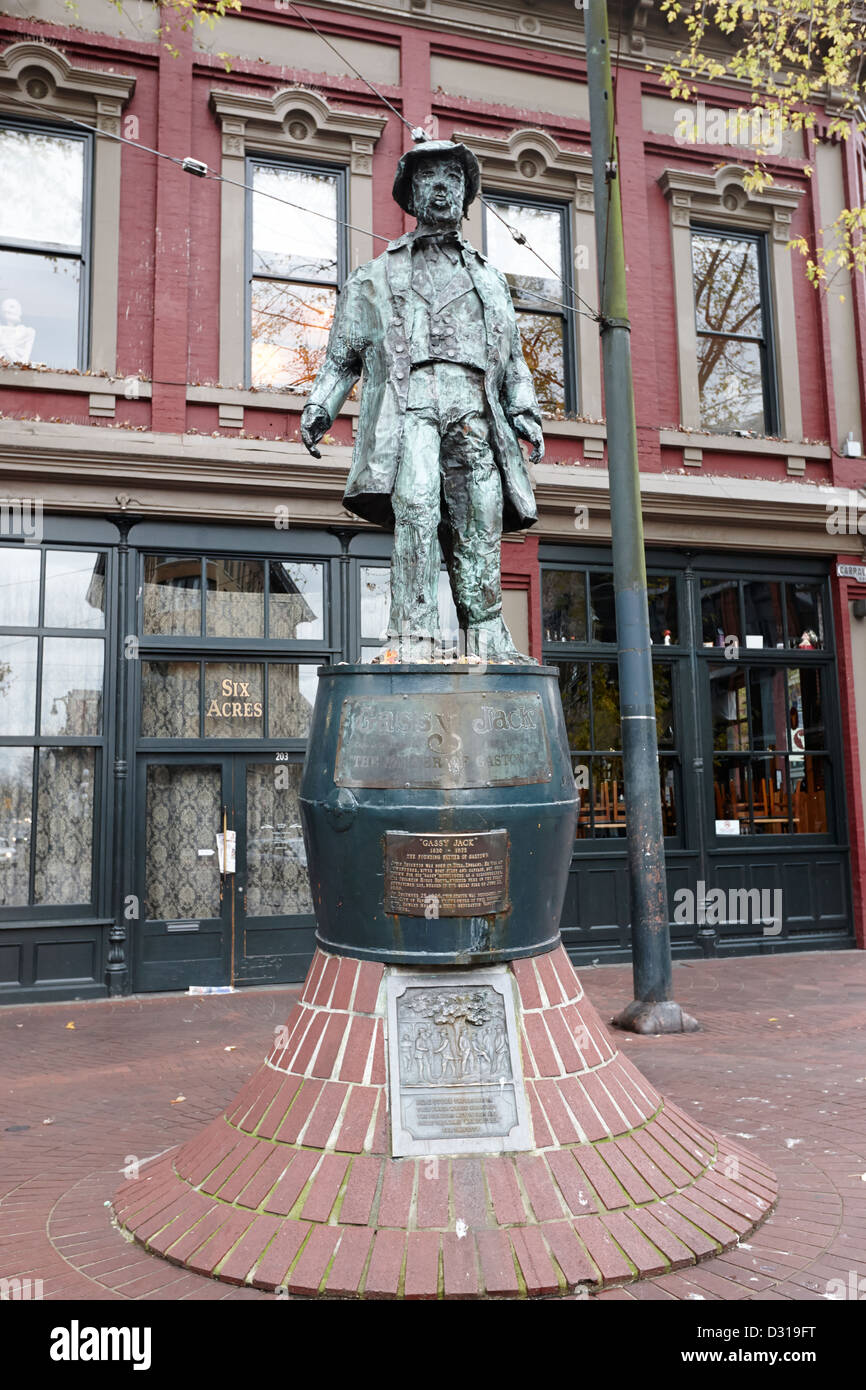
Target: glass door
{"points": [[185, 898], [274, 921]]}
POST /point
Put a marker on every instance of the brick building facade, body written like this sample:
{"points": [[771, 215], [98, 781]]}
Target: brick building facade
{"points": [[174, 565]]}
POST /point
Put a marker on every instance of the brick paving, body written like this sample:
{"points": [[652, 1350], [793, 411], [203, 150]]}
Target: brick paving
{"points": [[780, 1068]]}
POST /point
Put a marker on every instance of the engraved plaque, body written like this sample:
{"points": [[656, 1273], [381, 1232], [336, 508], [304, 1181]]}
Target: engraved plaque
{"points": [[445, 875], [456, 1077], [462, 739]]}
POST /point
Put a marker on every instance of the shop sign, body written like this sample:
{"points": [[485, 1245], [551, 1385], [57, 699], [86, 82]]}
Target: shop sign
{"points": [[235, 702]]}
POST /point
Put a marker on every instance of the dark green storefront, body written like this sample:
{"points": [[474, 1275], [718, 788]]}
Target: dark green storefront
{"points": [[156, 685]]}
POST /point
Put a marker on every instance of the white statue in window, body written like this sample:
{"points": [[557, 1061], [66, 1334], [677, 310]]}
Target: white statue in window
{"points": [[16, 339]]}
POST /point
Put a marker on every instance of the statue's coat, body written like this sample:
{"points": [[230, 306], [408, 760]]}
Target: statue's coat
{"points": [[371, 334]]}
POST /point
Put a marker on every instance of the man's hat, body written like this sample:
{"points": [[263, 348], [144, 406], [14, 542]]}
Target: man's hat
{"points": [[435, 149]]}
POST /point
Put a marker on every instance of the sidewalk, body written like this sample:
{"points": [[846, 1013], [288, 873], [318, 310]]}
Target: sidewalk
{"points": [[780, 1065]]}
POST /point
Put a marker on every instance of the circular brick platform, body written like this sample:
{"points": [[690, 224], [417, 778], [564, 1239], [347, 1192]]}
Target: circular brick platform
{"points": [[294, 1187]]}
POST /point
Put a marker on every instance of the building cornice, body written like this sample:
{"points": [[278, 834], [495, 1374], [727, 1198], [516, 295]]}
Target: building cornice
{"points": [[85, 469]]}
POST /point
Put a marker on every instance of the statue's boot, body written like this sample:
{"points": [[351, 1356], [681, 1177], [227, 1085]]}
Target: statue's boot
{"points": [[491, 641]]}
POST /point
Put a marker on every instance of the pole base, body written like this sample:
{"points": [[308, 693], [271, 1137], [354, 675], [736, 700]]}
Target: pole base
{"points": [[663, 1017]]}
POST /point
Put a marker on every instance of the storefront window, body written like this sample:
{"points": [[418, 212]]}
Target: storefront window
{"points": [[16, 822], [291, 696], [590, 702], [72, 678], [375, 581], [226, 699], [234, 699], [51, 699], [171, 595], [18, 667], [19, 586], [170, 697], [297, 601], [757, 614], [235, 598], [768, 697], [74, 589], [579, 606], [775, 716]]}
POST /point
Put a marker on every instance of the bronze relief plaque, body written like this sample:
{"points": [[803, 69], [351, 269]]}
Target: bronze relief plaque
{"points": [[445, 740], [446, 875], [455, 1070]]}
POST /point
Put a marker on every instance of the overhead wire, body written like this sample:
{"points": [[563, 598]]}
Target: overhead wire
{"points": [[202, 171], [419, 136]]}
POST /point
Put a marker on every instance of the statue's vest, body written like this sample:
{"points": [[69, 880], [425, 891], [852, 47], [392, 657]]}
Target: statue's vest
{"points": [[448, 325]]}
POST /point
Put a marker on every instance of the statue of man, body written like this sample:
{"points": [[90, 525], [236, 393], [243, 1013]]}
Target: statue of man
{"points": [[446, 396]]}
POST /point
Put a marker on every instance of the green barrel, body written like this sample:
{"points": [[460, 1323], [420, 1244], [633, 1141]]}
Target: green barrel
{"points": [[439, 812]]}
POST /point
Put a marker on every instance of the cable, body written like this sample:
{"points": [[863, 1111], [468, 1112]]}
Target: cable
{"points": [[418, 135], [201, 170], [521, 240]]}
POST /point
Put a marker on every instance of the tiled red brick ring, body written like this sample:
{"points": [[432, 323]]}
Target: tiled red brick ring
{"points": [[296, 1186]]}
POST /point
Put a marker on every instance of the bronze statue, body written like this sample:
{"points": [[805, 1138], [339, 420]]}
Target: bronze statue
{"points": [[446, 396]]}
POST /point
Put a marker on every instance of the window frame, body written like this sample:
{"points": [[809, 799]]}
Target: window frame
{"points": [[202, 649], [592, 651], [32, 912], [339, 172], [85, 257], [766, 344], [565, 211], [823, 658]]}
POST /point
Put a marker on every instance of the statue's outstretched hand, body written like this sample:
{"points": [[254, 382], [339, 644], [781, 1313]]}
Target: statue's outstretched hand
{"points": [[526, 428], [314, 421]]}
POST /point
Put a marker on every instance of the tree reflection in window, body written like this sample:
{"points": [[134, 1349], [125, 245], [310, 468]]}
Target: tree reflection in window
{"points": [[538, 290], [732, 333], [294, 272]]}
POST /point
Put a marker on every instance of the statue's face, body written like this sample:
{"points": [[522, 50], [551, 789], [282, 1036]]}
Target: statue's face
{"points": [[10, 310], [438, 190]]}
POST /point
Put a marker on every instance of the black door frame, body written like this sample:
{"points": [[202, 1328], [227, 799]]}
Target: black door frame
{"points": [[214, 970], [598, 866]]}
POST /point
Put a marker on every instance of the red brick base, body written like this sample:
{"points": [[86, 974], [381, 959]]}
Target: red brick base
{"points": [[293, 1185]]}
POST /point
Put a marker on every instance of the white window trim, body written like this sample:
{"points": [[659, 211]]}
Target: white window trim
{"points": [[530, 162], [719, 199], [98, 98], [295, 124]]}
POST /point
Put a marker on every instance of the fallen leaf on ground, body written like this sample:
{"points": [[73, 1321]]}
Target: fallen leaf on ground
{"points": [[178, 1099], [70, 1025]]}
